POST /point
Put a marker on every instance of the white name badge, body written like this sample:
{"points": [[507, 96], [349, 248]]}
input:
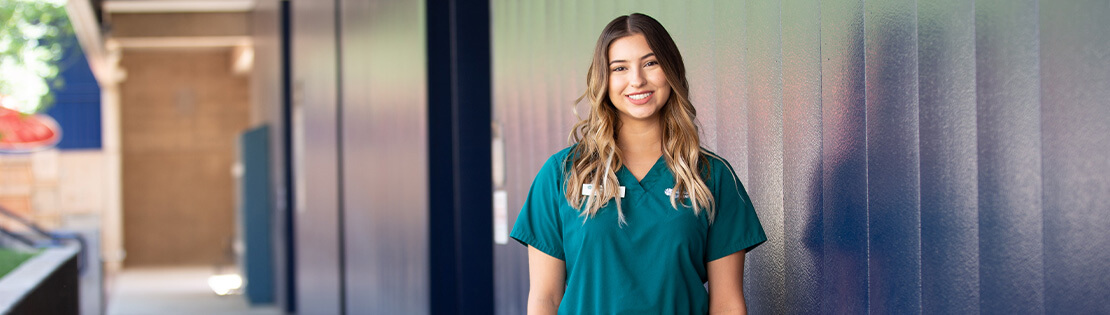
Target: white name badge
{"points": [[588, 189]]}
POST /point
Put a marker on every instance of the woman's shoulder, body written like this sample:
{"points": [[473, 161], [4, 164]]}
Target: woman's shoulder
{"points": [[715, 160], [557, 162], [564, 153], [717, 168], [562, 156]]}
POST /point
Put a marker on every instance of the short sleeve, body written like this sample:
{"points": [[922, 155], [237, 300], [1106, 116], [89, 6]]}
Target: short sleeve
{"points": [[736, 226], [538, 223]]}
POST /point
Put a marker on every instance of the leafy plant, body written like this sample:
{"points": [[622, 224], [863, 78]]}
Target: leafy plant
{"points": [[33, 39]]}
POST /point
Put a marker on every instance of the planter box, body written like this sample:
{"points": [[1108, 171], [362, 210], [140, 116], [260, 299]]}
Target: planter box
{"points": [[44, 284]]}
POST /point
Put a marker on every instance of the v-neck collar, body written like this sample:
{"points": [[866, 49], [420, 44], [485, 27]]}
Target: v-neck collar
{"points": [[629, 180]]}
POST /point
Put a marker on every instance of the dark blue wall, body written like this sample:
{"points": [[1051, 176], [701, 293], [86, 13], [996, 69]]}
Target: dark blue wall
{"points": [[77, 103]]}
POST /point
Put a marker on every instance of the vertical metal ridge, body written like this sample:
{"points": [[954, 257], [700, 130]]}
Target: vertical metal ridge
{"points": [[866, 166], [819, 202], [285, 35], [1040, 145], [917, 133], [1008, 102], [340, 192], [456, 145], [947, 158]]}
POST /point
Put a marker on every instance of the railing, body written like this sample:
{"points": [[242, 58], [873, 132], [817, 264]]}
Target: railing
{"points": [[47, 283]]}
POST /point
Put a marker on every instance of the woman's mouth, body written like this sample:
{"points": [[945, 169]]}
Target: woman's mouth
{"points": [[640, 98]]}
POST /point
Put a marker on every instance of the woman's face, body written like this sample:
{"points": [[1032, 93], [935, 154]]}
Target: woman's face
{"points": [[637, 85]]}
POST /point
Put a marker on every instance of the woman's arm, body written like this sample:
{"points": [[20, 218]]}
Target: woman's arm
{"points": [[547, 278], [726, 284]]}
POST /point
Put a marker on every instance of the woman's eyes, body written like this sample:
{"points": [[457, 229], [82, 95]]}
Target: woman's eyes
{"points": [[646, 64]]}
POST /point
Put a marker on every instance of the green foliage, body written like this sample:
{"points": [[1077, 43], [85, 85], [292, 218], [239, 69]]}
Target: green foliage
{"points": [[10, 259], [34, 35]]}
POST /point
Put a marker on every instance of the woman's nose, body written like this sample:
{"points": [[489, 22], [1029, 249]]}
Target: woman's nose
{"points": [[637, 78]]}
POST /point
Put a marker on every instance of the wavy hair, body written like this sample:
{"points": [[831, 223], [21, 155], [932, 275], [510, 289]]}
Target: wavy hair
{"points": [[596, 157]]}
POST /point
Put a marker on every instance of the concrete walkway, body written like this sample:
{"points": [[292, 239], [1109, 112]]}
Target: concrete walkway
{"points": [[176, 290]]}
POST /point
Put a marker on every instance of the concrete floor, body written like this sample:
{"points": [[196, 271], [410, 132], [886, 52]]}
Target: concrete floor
{"points": [[176, 290]]}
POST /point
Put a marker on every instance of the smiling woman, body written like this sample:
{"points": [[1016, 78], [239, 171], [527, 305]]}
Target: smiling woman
{"points": [[637, 85], [635, 217]]}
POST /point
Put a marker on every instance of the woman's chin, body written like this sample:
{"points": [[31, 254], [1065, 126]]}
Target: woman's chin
{"points": [[640, 116]]}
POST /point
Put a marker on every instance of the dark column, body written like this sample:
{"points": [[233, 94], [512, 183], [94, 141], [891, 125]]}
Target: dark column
{"points": [[460, 184]]}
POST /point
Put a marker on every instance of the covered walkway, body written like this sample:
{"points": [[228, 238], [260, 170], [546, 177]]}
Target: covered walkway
{"points": [[174, 290]]}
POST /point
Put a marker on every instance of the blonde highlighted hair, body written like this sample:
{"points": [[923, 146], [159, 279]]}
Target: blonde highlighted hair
{"points": [[596, 158]]}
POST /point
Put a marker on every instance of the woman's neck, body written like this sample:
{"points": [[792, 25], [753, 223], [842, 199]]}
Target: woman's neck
{"points": [[641, 137]]}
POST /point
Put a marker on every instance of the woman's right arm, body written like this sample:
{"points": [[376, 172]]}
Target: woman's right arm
{"points": [[547, 278]]}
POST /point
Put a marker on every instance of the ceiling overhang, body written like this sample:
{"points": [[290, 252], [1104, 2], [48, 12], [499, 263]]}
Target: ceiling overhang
{"points": [[105, 28], [176, 6]]}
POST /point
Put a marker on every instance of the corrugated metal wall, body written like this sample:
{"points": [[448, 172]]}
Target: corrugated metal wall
{"points": [[904, 157], [315, 159], [1075, 142], [384, 156], [360, 153]]}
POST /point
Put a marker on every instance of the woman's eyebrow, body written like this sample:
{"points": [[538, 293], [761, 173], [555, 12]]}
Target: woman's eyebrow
{"points": [[641, 58]]}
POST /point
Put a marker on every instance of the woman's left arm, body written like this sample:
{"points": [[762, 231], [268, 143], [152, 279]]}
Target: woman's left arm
{"points": [[726, 284]]}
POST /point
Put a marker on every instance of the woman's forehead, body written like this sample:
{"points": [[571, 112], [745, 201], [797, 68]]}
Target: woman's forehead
{"points": [[629, 48]]}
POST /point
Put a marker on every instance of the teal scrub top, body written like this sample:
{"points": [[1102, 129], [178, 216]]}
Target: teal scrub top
{"points": [[653, 265]]}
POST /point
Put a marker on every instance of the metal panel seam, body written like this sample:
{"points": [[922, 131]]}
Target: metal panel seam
{"points": [[340, 205]]}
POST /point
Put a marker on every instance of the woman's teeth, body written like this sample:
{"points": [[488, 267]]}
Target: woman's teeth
{"points": [[639, 96]]}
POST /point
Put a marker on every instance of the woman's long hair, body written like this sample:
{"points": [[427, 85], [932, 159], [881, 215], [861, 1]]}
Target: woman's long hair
{"points": [[596, 157]]}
